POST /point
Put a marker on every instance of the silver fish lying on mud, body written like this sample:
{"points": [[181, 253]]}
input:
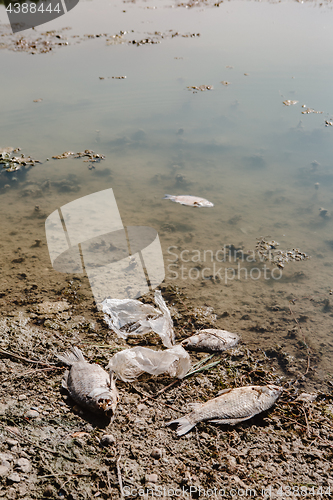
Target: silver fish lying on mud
{"points": [[210, 340], [88, 384], [190, 201], [232, 407]]}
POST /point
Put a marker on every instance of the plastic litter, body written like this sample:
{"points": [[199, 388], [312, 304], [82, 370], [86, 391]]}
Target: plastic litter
{"points": [[129, 364], [131, 317]]}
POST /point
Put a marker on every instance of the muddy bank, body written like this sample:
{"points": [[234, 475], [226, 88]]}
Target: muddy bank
{"points": [[51, 448]]}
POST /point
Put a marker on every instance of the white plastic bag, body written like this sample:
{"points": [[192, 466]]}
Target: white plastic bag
{"points": [[129, 364], [129, 316]]}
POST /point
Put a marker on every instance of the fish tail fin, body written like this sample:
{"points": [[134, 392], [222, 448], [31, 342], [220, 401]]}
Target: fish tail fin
{"points": [[184, 425], [71, 357], [168, 197]]}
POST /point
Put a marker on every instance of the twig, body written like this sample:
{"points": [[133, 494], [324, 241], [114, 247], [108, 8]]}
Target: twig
{"points": [[109, 482], [308, 432], [17, 356], [164, 389], [37, 370], [120, 481]]}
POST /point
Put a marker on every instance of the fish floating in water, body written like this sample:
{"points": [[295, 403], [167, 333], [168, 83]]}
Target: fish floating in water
{"points": [[211, 340], [190, 201], [232, 407], [88, 384]]}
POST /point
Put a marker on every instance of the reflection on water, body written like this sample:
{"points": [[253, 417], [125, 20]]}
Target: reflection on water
{"points": [[266, 166]]}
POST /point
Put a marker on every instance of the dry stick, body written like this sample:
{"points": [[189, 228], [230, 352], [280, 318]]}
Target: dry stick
{"points": [[16, 356], [308, 432], [37, 370], [120, 481], [163, 390], [109, 482]]}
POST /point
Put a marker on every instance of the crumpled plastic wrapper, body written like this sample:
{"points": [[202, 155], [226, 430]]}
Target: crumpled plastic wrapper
{"points": [[129, 364], [131, 317]]}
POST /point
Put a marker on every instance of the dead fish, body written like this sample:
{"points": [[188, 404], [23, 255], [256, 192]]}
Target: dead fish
{"points": [[191, 201], [289, 102], [211, 340], [232, 407], [88, 384]]}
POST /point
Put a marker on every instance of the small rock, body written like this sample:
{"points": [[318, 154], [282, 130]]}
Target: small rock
{"points": [[23, 465], [142, 407], [11, 442], [49, 491], [22, 397], [4, 469], [6, 456], [307, 397], [151, 478], [31, 414], [232, 464], [3, 409], [139, 423], [107, 440], [157, 453], [14, 478]]}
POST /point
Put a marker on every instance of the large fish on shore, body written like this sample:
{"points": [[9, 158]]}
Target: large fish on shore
{"points": [[88, 384], [190, 201], [210, 340], [232, 407]]}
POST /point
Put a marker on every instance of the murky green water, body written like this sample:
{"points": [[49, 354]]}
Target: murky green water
{"points": [[237, 145]]}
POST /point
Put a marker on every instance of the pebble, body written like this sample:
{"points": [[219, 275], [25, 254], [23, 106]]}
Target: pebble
{"points": [[14, 477], [157, 453], [49, 491], [3, 409], [142, 407], [151, 478], [4, 469], [22, 397], [6, 456], [23, 465], [107, 440], [11, 442], [31, 414], [232, 463]]}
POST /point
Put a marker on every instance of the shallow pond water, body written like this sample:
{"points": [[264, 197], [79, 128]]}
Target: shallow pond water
{"points": [[266, 166]]}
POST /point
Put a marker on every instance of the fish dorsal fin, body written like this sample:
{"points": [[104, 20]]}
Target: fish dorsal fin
{"points": [[194, 406], [73, 356], [224, 391]]}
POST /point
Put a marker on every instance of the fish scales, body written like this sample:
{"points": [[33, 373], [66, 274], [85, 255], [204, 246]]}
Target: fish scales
{"points": [[231, 407], [211, 340], [88, 384], [190, 201]]}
